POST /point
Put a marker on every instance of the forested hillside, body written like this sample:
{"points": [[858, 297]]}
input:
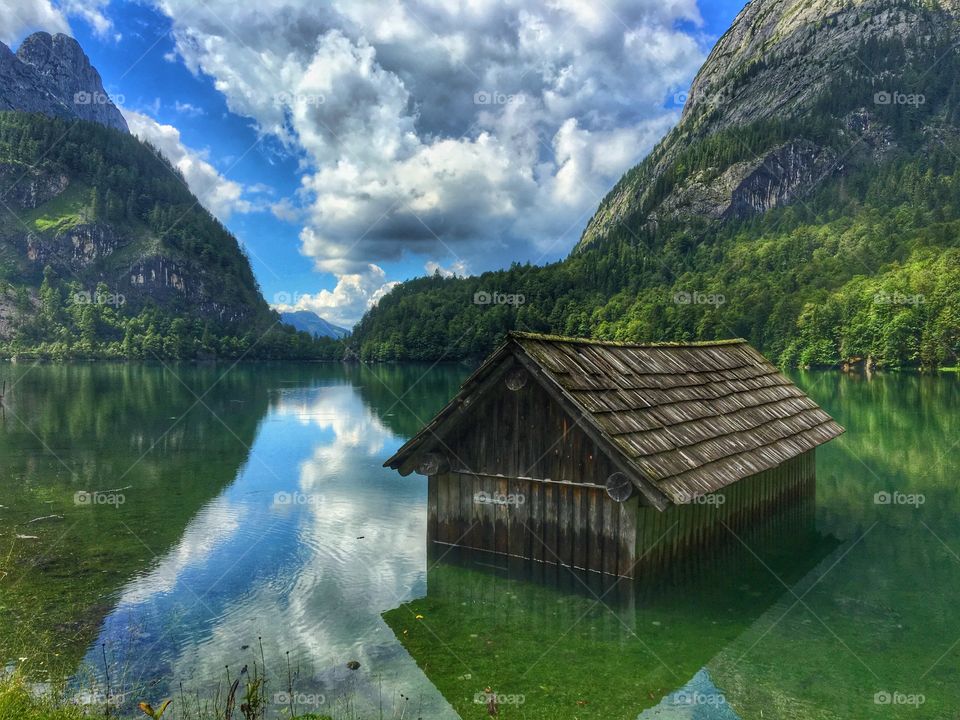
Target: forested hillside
{"points": [[809, 201], [104, 252]]}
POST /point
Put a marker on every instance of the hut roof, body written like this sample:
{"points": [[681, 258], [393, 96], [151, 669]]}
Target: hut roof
{"points": [[680, 419]]}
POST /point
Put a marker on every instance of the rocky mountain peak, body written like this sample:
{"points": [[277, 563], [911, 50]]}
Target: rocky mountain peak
{"points": [[51, 74], [786, 70], [779, 54]]}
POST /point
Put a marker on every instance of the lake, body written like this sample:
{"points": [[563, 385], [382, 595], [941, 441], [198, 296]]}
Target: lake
{"points": [[164, 530]]}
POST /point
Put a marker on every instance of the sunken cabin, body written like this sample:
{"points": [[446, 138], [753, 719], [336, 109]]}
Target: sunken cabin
{"points": [[611, 457]]}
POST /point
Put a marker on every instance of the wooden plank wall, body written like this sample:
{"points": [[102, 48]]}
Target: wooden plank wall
{"points": [[524, 433], [562, 524], [579, 526], [664, 538]]}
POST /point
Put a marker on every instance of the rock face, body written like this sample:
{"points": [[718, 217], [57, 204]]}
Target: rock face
{"points": [[27, 188], [772, 66], [75, 249], [51, 74]]}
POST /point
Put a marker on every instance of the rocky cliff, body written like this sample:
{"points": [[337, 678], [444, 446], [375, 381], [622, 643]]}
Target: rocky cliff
{"points": [[51, 74], [778, 72]]}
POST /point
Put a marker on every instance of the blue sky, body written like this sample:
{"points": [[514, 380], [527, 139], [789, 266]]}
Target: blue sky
{"points": [[350, 146]]}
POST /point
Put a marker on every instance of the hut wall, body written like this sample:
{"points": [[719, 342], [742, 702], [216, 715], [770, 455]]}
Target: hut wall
{"points": [[526, 482], [555, 523], [664, 538], [525, 434]]}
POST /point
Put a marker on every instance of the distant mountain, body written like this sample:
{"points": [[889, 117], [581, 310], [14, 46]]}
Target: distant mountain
{"points": [[51, 74], [808, 200], [307, 321]]}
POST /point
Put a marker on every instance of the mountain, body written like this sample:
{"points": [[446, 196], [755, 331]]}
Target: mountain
{"points": [[808, 200], [310, 322], [104, 251], [50, 74], [750, 138]]}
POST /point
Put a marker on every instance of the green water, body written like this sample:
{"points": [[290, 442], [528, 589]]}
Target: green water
{"points": [[229, 509]]}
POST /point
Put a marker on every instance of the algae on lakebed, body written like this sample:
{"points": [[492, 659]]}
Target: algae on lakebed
{"points": [[561, 647]]}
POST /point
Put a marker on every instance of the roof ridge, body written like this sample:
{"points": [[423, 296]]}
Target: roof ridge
{"points": [[521, 335]]}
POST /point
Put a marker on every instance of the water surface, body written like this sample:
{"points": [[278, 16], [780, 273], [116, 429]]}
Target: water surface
{"points": [[163, 528]]}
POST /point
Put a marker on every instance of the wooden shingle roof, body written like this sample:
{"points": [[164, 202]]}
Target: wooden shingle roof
{"points": [[682, 419]]}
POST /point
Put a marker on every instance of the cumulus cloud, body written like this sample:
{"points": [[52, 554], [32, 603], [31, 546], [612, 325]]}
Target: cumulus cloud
{"points": [[17, 19], [220, 196], [477, 131], [92, 11], [354, 294], [188, 109]]}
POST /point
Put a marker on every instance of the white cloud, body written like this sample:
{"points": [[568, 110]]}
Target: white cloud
{"points": [[354, 294], [478, 131], [456, 269], [285, 210], [220, 196], [185, 108], [92, 11], [17, 19]]}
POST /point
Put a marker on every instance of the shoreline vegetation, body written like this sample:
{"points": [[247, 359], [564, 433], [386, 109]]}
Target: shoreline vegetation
{"points": [[329, 350], [246, 701], [69, 323], [249, 695]]}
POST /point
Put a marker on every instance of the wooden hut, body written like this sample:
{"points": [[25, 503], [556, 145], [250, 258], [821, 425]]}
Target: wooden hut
{"points": [[612, 457]]}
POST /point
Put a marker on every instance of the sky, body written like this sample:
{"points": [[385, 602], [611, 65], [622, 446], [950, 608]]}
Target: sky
{"points": [[353, 144]]}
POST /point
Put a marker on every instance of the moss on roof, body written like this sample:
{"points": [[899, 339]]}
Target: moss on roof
{"points": [[518, 335]]}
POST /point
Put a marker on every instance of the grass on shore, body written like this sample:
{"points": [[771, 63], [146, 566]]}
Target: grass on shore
{"points": [[19, 702]]}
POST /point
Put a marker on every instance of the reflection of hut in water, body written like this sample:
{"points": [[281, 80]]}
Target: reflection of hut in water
{"points": [[599, 652], [613, 457]]}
